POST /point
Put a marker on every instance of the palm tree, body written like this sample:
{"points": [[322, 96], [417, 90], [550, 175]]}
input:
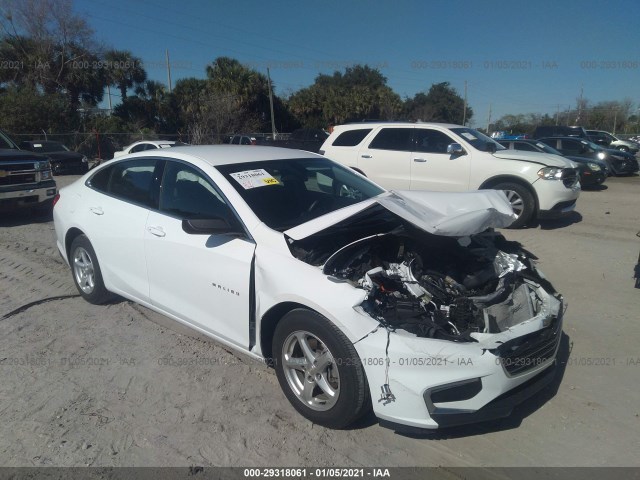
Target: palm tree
{"points": [[124, 70]]}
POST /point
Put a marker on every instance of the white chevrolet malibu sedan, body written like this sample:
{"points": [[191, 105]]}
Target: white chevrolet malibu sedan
{"points": [[407, 303]]}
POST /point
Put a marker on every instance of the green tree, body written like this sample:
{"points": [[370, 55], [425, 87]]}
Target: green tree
{"points": [[440, 104], [361, 92], [124, 70], [54, 47], [26, 110]]}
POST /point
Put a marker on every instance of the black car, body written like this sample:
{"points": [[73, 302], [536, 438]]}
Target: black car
{"points": [[62, 159], [619, 163], [592, 171], [543, 131]]}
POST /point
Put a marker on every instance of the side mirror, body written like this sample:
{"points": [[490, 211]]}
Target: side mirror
{"points": [[210, 226], [455, 149]]}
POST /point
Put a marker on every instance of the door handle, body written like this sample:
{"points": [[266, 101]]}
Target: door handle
{"points": [[157, 231], [96, 210], [420, 160], [366, 156]]}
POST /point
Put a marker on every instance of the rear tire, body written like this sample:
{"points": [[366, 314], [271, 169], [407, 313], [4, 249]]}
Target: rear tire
{"points": [[521, 201], [86, 272], [319, 370]]}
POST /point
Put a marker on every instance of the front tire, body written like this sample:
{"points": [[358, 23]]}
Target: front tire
{"points": [[319, 370], [86, 272], [521, 200]]}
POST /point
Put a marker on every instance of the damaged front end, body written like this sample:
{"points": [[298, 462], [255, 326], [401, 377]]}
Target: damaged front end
{"points": [[448, 288], [447, 294]]}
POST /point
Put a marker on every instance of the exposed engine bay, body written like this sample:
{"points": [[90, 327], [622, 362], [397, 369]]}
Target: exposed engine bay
{"points": [[435, 286]]}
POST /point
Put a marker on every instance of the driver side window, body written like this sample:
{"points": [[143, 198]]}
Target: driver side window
{"points": [[431, 141], [187, 194]]}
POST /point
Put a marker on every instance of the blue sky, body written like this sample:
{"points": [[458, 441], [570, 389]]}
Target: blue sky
{"points": [[516, 57]]}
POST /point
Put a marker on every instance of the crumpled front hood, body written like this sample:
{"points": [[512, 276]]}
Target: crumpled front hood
{"points": [[439, 213], [535, 157]]}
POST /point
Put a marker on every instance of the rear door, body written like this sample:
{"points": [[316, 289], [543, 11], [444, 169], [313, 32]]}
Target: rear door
{"points": [[386, 159], [432, 168], [115, 210], [202, 279]]}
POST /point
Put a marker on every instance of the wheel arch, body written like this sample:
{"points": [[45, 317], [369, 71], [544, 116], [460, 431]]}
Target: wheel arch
{"points": [[489, 183], [71, 235], [270, 320]]}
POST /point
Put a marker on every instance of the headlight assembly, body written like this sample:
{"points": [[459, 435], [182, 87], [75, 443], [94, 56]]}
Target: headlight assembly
{"points": [[43, 165], [594, 166], [550, 173]]}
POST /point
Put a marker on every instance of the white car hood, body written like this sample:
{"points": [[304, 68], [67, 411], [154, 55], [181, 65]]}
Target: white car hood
{"points": [[439, 213], [537, 157]]}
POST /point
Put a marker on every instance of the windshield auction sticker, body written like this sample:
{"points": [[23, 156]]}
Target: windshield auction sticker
{"points": [[254, 178]]}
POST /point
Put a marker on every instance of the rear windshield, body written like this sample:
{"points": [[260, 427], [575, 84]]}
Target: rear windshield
{"points": [[287, 193]]}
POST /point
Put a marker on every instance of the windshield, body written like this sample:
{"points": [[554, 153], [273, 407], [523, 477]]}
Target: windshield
{"points": [[478, 140], [287, 193], [592, 145], [6, 142], [48, 147], [547, 149]]}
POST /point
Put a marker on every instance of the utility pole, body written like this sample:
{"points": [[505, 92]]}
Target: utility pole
{"points": [[489, 119], [168, 70], [273, 123], [557, 114], [464, 113], [580, 105], [615, 120], [109, 95]]}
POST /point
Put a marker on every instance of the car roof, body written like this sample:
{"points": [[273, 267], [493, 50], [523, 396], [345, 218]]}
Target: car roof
{"points": [[154, 142], [558, 137], [215, 155], [399, 124]]}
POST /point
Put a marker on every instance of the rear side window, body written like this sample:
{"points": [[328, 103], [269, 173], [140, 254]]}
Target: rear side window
{"points": [[131, 181], [393, 139], [351, 138]]}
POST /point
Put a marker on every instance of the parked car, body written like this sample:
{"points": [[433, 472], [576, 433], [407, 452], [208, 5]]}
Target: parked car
{"points": [[433, 156], [349, 291], [619, 163], [145, 145], [501, 135], [26, 180], [591, 171], [559, 131], [62, 159], [607, 140]]}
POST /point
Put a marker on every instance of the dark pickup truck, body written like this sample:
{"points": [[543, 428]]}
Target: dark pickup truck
{"points": [[309, 139], [26, 180]]}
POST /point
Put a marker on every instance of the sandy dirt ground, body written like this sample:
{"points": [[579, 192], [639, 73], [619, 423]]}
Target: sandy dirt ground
{"points": [[121, 385]]}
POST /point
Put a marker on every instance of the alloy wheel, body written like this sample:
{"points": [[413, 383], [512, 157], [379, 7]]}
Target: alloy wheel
{"points": [[83, 270], [517, 204], [310, 370]]}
